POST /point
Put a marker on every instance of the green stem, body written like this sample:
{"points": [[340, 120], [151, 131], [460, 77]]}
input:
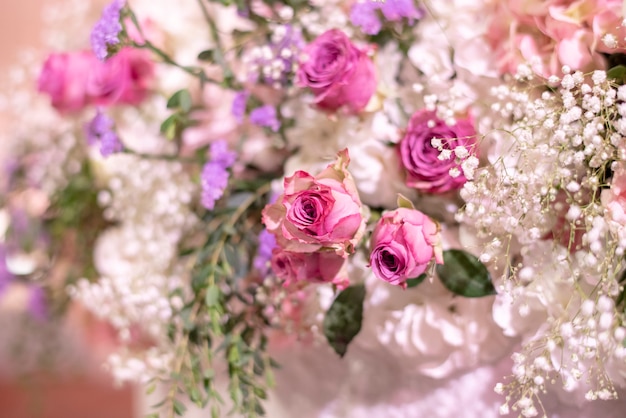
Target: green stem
{"points": [[181, 351], [229, 75]]}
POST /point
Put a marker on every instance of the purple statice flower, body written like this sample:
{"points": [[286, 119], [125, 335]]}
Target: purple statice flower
{"points": [[100, 130], [396, 10], [214, 177], [106, 31], [274, 64], [365, 14], [37, 303], [238, 108], [261, 262], [265, 116]]}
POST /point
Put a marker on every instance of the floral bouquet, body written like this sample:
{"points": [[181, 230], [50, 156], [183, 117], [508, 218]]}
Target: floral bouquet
{"points": [[226, 183]]}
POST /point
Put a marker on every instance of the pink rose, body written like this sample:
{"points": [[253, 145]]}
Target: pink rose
{"points": [[425, 170], [316, 267], [125, 78], [64, 78], [337, 72], [318, 212], [403, 244], [74, 80]]}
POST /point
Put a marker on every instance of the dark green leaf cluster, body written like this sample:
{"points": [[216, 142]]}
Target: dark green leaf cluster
{"points": [[343, 319]]}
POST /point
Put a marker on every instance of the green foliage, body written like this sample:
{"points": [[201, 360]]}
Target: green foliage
{"points": [[176, 123], [343, 319], [404, 202], [416, 281], [180, 100], [463, 274], [617, 73], [215, 328]]}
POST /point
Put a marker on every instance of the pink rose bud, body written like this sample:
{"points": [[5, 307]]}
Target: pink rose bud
{"points": [[428, 167], [64, 78], [316, 267], [125, 78], [318, 212], [403, 244], [337, 72]]}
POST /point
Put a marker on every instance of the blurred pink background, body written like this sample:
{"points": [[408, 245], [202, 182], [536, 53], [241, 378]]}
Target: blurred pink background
{"points": [[88, 393]]}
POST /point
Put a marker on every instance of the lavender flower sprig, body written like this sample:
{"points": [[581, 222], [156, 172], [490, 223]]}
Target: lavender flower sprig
{"points": [[107, 30], [100, 130], [214, 177]]}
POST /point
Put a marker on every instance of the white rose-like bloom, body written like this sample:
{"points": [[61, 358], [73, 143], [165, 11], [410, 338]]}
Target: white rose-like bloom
{"points": [[439, 333], [375, 165]]}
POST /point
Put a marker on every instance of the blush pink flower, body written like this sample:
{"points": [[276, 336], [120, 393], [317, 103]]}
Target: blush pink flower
{"points": [[316, 267], [337, 72], [426, 171], [321, 212], [125, 78], [74, 80], [403, 245], [550, 34], [64, 78]]}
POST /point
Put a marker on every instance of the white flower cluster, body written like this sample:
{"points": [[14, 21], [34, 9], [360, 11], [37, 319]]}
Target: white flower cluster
{"points": [[138, 259], [551, 157]]}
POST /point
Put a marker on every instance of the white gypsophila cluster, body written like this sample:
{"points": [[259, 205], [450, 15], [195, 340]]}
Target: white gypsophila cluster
{"points": [[138, 259], [538, 198]]}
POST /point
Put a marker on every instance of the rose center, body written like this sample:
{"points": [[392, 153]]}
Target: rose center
{"points": [[389, 260], [327, 57]]}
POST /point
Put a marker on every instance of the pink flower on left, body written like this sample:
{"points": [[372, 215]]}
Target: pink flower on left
{"points": [[74, 80]]}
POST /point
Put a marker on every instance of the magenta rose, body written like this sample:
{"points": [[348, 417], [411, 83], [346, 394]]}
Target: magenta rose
{"points": [[125, 78], [403, 244], [64, 78], [337, 72], [318, 212], [316, 267], [426, 171]]}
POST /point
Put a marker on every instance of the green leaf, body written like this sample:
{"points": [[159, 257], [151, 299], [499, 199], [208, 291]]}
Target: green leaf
{"points": [[404, 202], [617, 73], [414, 282], [343, 319], [181, 99], [195, 396], [212, 296], [169, 127], [463, 274], [207, 55], [179, 407]]}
